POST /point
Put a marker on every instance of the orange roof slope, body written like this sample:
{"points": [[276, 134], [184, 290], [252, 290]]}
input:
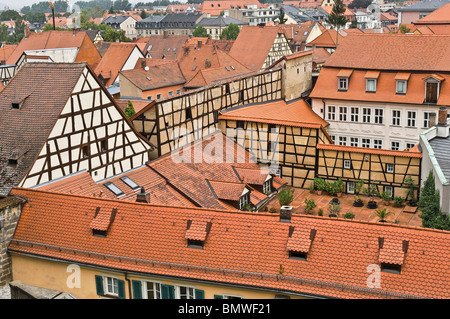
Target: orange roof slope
{"points": [[241, 248], [393, 52], [157, 76], [253, 45], [296, 113], [49, 40], [165, 47], [215, 7], [113, 61], [6, 50], [439, 16], [326, 40], [327, 87]]}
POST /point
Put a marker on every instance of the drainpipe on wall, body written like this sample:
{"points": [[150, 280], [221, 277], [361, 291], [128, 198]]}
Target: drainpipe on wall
{"points": [[129, 286]]}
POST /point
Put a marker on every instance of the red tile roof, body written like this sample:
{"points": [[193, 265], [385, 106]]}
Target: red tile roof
{"points": [[438, 16], [300, 241], [327, 87], [101, 220], [215, 7], [326, 40], [113, 61], [392, 52], [253, 44], [296, 113], [6, 50], [227, 190], [242, 248], [167, 47], [392, 252]]}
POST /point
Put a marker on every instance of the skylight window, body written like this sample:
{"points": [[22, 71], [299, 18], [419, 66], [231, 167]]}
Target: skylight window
{"points": [[129, 182], [113, 188]]}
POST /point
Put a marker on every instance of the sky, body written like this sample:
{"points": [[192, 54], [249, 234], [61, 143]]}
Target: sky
{"points": [[18, 4]]}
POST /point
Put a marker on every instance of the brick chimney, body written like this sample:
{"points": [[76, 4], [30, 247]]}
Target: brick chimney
{"points": [[27, 32], [442, 127], [143, 196]]}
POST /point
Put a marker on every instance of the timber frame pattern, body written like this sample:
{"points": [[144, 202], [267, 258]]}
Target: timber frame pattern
{"points": [[279, 49], [370, 165], [166, 122], [91, 133], [293, 149]]}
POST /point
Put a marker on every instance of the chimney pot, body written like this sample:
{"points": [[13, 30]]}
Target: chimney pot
{"points": [[285, 214], [143, 196]]}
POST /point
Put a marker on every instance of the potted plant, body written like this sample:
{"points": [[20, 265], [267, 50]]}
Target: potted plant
{"points": [[285, 196], [382, 214], [311, 188], [358, 186], [398, 201], [358, 202], [386, 197], [372, 191], [411, 190], [320, 185], [330, 188], [349, 215], [273, 210], [339, 186], [320, 212], [310, 205], [334, 210]]}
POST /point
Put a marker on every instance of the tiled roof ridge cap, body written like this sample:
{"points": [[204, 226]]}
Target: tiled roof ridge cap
{"points": [[295, 216]]}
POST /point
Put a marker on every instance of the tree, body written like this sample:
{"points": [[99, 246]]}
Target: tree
{"points": [[143, 14], [25, 10], [281, 16], [33, 17], [9, 15], [404, 29], [111, 35], [286, 196], [359, 4], [129, 110], [231, 32], [337, 19], [200, 31]]}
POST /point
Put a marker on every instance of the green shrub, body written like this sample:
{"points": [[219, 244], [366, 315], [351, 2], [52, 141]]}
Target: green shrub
{"points": [[286, 196], [349, 216]]}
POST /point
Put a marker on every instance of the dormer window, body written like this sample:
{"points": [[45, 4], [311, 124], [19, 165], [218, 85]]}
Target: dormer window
{"points": [[243, 201], [401, 86], [391, 268], [432, 88], [343, 79], [15, 105], [371, 85], [12, 162], [196, 232], [371, 81], [298, 255], [267, 186]]}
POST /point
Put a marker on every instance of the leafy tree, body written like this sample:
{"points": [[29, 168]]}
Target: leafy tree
{"points": [[404, 29], [49, 27], [359, 4], [122, 5], [281, 16], [19, 29], [111, 35], [3, 32], [337, 19], [200, 31], [8, 15], [129, 110], [25, 10], [231, 32], [33, 17], [143, 14]]}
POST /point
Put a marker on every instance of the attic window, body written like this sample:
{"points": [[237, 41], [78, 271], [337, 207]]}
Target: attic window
{"points": [[432, 88], [196, 232], [233, 67], [198, 244], [12, 162], [193, 69], [129, 182], [297, 255], [113, 188], [391, 268], [15, 105]]}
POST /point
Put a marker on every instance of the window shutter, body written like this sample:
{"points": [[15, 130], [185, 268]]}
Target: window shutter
{"points": [[167, 292], [218, 297], [121, 287], [99, 285], [199, 294], [137, 289]]}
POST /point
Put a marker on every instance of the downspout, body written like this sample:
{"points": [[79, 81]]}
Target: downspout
{"points": [[129, 286]]}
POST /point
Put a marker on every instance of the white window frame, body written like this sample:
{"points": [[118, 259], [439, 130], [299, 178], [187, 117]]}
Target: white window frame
{"points": [[369, 88], [395, 148], [228, 296], [178, 91], [389, 189], [354, 141], [347, 164], [367, 115], [342, 140], [377, 143], [243, 200], [354, 114], [410, 144], [426, 119], [342, 84], [351, 187], [333, 138], [155, 289], [396, 119], [401, 89], [411, 121], [114, 283], [170, 93], [390, 168], [378, 118], [178, 292], [363, 143], [343, 113], [158, 96], [331, 113]]}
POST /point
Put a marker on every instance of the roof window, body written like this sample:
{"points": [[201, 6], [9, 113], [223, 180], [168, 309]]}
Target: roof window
{"points": [[113, 188], [129, 182]]}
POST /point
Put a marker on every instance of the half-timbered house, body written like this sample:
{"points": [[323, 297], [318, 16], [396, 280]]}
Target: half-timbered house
{"points": [[57, 119]]}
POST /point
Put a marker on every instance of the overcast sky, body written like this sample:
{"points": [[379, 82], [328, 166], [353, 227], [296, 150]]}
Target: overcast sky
{"points": [[18, 4]]}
